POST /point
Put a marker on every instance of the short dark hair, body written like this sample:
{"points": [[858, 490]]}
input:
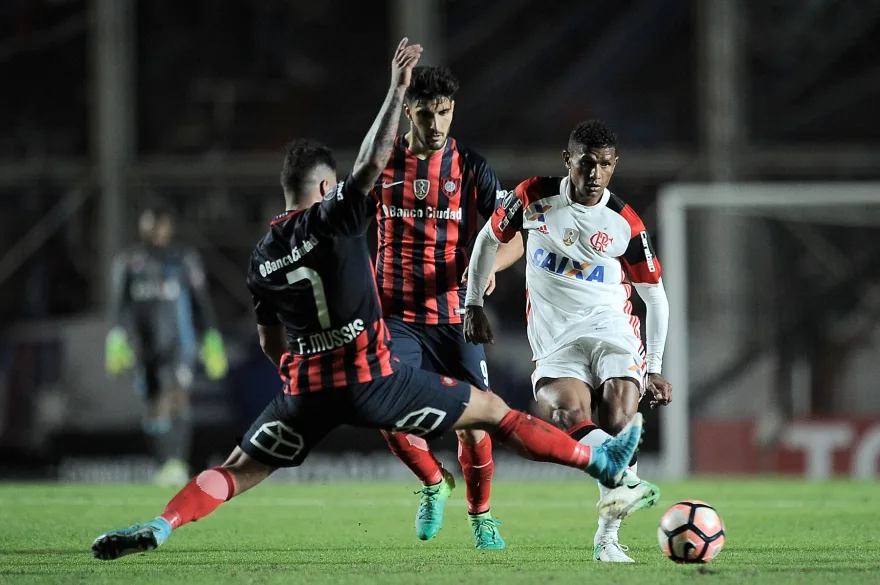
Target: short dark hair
{"points": [[430, 83], [300, 158], [592, 134]]}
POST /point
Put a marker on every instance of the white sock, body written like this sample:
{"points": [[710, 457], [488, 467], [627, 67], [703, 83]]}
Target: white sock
{"points": [[607, 528]]}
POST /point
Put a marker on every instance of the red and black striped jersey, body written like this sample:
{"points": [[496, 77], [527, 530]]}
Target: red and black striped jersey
{"points": [[312, 274], [427, 214]]}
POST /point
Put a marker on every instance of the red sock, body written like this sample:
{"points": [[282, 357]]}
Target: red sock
{"points": [[477, 467], [201, 496], [534, 439], [415, 454]]}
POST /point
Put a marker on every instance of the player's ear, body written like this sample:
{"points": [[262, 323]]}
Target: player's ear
{"points": [[407, 112], [566, 158], [324, 187]]}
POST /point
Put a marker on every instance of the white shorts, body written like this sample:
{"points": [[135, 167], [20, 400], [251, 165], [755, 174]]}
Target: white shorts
{"points": [[596, 357]]}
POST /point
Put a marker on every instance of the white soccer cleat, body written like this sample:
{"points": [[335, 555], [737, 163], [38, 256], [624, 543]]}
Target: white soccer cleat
{"points": [[608, 550], [628, 498]]}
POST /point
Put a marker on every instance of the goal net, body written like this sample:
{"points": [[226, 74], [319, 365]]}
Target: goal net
{"points": [[774, 293]]}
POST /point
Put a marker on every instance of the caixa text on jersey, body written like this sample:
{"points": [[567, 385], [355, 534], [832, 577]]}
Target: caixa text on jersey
{"points": [[270, 266]]}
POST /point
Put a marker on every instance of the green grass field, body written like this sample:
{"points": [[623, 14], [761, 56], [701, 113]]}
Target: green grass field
{"points": [[778, 532]]}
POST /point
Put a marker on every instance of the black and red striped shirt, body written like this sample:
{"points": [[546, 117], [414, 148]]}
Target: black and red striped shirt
{"points": [[312, 274], [427, 214]]}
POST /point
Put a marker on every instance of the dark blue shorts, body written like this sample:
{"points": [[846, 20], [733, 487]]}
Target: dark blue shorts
{"points": [[410, 400], [439, 348]]}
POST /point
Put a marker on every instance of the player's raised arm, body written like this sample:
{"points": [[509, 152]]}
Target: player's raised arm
{"points": [[377, 144]]}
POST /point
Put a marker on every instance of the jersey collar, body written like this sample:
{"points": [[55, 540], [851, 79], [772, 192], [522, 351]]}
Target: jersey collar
{"points": [[565, 188]]}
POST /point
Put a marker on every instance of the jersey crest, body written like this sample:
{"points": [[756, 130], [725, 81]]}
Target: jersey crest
{"points": [[570, 236], [421, 188], [600, 241]]}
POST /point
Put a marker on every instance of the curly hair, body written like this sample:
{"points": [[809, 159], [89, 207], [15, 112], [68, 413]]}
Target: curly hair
{"points": [[300, 158], [592, 134], [430, 83]]}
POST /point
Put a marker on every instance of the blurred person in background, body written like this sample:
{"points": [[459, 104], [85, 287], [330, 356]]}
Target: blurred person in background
{"points": [[429, 198], [158, 287]]}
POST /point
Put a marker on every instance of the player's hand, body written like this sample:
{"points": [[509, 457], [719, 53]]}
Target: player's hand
{"points": [[118, 355], [406, 57], [490, 284], [476, 326], [660, 389], [213, 355]]}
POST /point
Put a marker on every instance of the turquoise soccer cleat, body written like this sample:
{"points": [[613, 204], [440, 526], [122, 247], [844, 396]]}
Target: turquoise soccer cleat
{"points": [[486, 533], [134, 539], [429, 517], [611, 458]]}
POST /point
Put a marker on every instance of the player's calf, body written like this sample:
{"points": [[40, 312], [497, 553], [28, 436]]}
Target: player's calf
{"points": [[201, 496]]}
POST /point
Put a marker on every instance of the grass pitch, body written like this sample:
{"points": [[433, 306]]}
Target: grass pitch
{"points": [[777, 532]]}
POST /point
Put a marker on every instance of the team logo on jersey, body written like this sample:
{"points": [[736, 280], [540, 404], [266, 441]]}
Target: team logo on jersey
{"points": [[570, 236], [600, 241], [420, 188], [447, 381], [538, 213], [451, 186]]}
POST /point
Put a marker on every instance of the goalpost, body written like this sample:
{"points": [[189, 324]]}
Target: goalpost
{"points": [[717, 250]]}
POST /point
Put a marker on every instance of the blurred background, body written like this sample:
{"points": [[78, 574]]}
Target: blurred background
{"points": [[106, 104]]}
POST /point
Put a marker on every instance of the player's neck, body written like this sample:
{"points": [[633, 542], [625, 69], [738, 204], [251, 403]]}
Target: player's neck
{"points": [[585, 200], [419, 148]]}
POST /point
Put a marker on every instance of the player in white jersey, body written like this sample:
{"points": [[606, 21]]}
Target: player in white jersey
{"points": [[586, 250]]}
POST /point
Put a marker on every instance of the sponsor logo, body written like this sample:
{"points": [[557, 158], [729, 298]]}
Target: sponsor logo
{"points": [[565, 266], [544, 229], [600, 241], [426, 213], [537, 214], [421, 187], [389, 185], [270, 266], [451, 186], [331, 338], [447, 381], [649, 257], [570, 236]]}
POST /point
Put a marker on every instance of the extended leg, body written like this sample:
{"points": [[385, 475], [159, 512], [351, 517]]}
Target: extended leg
{"points": [[201, 496]]}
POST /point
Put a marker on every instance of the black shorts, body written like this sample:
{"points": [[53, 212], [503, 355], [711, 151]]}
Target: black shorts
{"points": [[409, 400], [156, 376], [439, 348]]}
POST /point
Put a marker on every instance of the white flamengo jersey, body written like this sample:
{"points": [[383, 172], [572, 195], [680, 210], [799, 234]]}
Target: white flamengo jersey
{"points": [[580, 260]]}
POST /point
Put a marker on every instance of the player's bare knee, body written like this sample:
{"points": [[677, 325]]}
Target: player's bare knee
{"points": [[563, 407], [470, 436]]}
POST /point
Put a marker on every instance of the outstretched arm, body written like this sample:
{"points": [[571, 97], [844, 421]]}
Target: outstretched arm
{"points": [[377, 144]]}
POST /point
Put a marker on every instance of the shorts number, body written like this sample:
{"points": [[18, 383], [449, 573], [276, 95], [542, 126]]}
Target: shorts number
{"points": [[485, 371], [304, 273]]}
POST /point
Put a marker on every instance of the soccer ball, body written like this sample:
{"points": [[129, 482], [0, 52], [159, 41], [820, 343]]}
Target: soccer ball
{"points": [[691, 532]]}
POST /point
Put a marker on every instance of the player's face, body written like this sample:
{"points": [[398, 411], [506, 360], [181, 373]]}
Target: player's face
{"points": [[430, 121], [147, 226], [164, 232], [590, 170]]}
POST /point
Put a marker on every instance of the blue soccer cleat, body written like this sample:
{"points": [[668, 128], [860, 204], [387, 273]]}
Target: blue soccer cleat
{"points": [[134, 539], [429, 517], [610, 459], [486, 533]]}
